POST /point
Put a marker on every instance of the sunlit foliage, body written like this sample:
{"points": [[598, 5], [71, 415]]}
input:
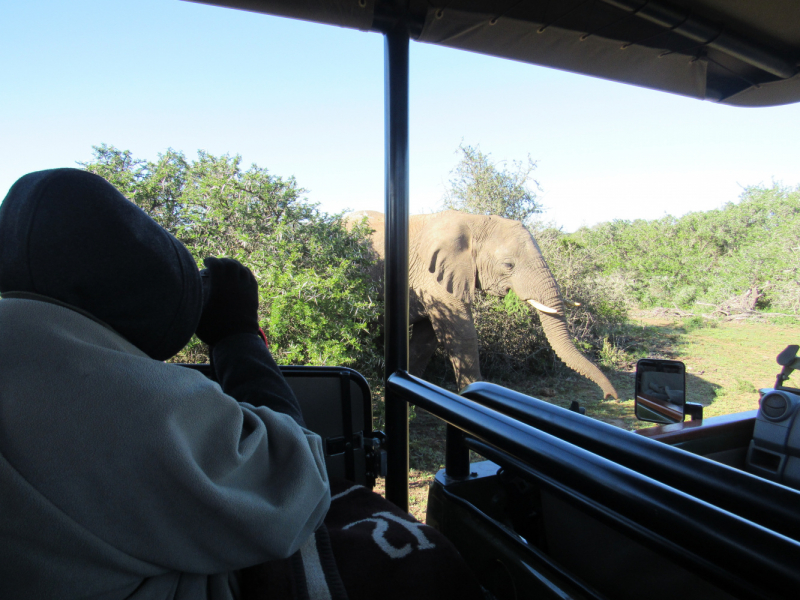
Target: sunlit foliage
{"points": [[317, 299], [707, 257], [482, 187]]}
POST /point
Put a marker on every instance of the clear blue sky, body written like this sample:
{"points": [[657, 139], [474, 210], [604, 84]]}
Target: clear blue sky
{"points": [[307, 100]]}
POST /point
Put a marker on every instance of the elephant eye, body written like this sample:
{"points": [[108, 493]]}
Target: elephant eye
{"points": [[508, 266]]}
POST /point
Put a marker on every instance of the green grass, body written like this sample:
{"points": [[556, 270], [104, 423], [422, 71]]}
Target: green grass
{"points": [[727, 365]]}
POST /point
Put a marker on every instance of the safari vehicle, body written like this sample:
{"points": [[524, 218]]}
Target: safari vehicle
{"points": [[564, 506]]}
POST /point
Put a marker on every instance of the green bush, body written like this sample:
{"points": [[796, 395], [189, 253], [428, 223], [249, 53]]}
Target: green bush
{"points": [[510, 336], [481, 187], [707, 257], [317, 301]]}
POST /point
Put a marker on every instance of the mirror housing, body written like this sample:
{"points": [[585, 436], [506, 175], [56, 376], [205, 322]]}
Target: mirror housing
{"points": [[660, 391]]}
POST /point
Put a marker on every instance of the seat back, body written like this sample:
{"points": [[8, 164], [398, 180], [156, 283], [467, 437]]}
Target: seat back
{"points": [[337, 405]]}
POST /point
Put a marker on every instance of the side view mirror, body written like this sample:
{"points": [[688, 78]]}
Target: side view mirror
{"points": [[660, 392]]}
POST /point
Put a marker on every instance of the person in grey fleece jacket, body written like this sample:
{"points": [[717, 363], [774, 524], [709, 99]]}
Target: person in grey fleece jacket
{"points": [[122, 476]]}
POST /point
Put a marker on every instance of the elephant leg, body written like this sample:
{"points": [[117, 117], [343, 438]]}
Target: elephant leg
{"points": [[455, 330], [464, 358], [421, 347]]}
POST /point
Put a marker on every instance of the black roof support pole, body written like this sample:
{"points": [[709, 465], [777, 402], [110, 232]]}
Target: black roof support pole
{"points": [[396, 43]]}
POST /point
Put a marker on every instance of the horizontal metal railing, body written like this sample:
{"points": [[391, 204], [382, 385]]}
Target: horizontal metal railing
{"points": [[774, 506], [738, 555]]}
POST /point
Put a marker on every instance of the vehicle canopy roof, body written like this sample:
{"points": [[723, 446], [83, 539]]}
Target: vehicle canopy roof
{"points": [[737, 52]]}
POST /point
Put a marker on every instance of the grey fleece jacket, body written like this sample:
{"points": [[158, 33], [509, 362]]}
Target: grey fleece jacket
{"points": [[125, 477]]}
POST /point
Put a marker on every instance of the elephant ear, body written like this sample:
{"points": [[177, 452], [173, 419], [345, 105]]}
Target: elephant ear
{"points": [[445, 250]]}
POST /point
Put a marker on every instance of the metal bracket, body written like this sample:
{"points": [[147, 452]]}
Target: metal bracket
{"points": [[339, 445]]}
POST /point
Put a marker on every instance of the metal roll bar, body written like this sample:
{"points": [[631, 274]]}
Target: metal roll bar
{"points": [[396, 264], [751, 497], [736, 554]]}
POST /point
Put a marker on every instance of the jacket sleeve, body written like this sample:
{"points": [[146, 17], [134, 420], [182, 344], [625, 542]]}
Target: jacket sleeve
{"points": [[160, 464], [246, 371]]}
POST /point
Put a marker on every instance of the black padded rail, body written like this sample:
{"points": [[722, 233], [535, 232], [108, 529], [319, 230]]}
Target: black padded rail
{"points": [[753, 498], [734, 553]]}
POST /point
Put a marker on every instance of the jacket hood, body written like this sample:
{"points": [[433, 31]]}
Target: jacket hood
{"points": [[70, 235]]}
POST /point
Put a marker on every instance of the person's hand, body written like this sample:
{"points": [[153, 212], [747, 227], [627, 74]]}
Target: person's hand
{"points": [[231, 304]]}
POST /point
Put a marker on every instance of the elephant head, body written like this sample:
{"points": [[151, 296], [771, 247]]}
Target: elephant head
{"points": [[466, 252]]}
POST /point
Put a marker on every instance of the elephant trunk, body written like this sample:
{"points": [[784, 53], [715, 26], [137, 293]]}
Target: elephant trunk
{"points": [[555, 328]]}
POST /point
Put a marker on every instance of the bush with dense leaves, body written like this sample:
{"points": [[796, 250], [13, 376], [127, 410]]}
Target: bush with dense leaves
{"points": [[710, 256], [317, 301], [481, 187]]}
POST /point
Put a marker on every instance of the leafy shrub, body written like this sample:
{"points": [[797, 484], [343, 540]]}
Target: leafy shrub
{"points": [[707, 257], [481, 187], [316, 296], [698, 322], [612, 356], [512, 341], [685, 295]]}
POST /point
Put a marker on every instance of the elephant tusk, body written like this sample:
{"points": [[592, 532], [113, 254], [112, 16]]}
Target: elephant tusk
{"points": [[573, 303], [543, 308]]}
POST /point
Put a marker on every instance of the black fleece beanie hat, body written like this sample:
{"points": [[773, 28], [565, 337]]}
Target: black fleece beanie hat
{"points": [[71, 236]]}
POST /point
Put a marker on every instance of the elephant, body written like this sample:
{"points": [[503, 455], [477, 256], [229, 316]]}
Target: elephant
{"points": [[452, 254]]}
